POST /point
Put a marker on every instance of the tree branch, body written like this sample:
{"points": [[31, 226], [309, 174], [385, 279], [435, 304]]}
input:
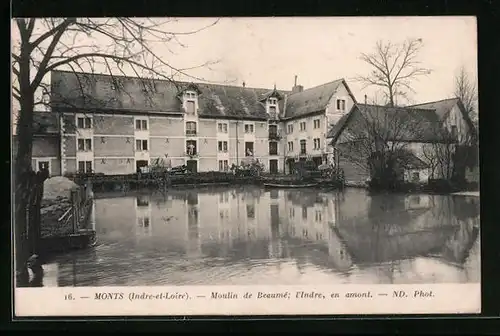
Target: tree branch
{"points": [[46, 58]]}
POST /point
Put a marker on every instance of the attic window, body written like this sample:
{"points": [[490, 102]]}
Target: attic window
{"points": [[273, 101], [190, 95], [341, 104]]}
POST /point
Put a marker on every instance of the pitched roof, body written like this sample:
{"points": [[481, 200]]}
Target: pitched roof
{"points": [[310, 100], [160, 96], [442, 107], [45, 123], [405, 124]]}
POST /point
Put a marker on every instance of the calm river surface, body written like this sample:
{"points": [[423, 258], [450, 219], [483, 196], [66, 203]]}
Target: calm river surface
{"points": [[245, 236]]}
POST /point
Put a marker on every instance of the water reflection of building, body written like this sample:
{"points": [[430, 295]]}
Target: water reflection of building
{"points": [[350, 232], [143, 216]]}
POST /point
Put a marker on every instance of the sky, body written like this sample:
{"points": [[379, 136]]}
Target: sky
{"points": [[264, 52]]}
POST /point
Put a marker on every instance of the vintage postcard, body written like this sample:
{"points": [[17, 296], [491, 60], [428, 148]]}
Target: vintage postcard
{"points": [[245, 166]]}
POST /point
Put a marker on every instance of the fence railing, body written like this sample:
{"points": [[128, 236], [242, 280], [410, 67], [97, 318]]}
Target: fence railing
{"points": [[77, 213]]}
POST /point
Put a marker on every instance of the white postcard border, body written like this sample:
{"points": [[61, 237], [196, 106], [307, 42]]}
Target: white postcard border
{"points": [[244, 300]]}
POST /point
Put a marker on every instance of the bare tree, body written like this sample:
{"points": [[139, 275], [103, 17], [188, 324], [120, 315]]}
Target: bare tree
{"points": [[466, 90], [377, 139], [449, 157], [394, 68], [439, 156], [116, 45]]}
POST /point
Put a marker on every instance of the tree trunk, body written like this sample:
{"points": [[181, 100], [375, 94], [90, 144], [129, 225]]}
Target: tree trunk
{"points": [[22, 191], [22, 167]]}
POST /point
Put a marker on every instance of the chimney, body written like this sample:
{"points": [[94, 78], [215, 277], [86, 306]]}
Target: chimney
{"points": [[297, 88], [243, 84], [283, 112], [366, 99]]}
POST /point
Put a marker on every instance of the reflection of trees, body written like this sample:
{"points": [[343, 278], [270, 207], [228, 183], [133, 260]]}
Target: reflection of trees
{"points": [[392, 233], [457, 248], [465, 207]]}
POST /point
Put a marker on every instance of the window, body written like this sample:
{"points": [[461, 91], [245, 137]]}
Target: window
{"points": [[190, 107], [141, 124], [290, 146], [317, 143], [248, 148], [273, 148], [291, 213], [341, 104], [43, 165], [289, 128], [273, 131], [84, 145], [317, 215], [222, 128], [303, 126], [84, 166], [415, 177], [249, 128], [141, 145], [226, 165], [454, 131], [84, 122], [190, 128], [191, 147], [272, 111], [316, 123], [273, 101], [222, 146], [304, 212], [142, 201], [302, 147], [190, 94]]}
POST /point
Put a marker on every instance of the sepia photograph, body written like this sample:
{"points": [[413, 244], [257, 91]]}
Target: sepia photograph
{"points": [[291, 151]]}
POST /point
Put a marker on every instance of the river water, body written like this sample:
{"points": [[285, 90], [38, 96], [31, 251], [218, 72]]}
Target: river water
{"points": [[245, 236]]}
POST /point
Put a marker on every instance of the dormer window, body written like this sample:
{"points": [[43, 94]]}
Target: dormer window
{"points": [[273, 101], [190, 95], [190, 99]]}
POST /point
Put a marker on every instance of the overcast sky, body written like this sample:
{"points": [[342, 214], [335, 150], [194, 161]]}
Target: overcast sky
{"points": [[268, 51]]}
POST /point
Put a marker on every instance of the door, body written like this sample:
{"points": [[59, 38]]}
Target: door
{"points": [[141, 163], [273, 166], [291, 166], [192, 166]]}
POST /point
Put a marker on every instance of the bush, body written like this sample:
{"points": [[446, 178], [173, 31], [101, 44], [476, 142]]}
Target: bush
{"points": [[449, 186], [392, 185]]}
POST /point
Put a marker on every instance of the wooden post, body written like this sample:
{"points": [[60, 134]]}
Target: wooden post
{"points": [[74, 207]]}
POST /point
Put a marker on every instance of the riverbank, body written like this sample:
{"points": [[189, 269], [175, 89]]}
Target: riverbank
{"points": [[467, 193], [133, 182]]}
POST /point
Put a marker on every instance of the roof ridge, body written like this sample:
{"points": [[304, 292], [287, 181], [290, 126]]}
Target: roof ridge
{"points": [[317, 86], [436, 101], [167, 81], [399, 107]]}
